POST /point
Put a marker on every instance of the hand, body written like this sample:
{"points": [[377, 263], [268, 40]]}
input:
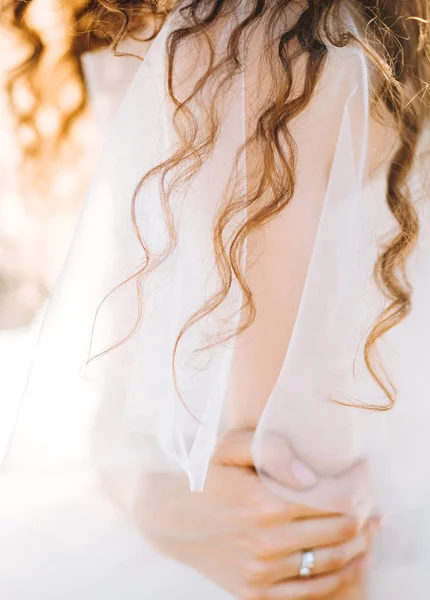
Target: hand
{"points": [[349, 492], [245, 539]]}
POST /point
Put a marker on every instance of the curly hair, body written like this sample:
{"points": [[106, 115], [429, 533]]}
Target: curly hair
{"points": [[395, 35]]}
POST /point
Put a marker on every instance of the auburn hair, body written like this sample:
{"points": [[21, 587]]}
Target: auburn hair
{"points": [[395, 35]]}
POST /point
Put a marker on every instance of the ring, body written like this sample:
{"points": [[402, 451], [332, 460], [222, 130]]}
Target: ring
{"points": [[308, 563]]}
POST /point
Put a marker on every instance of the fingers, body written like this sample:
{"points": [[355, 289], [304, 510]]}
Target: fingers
{"points": [[277, 460], [317, 532], [328, 559], [349, 493], [280, 541], [289, 538], [312, 588], [286, 474], [271, 576]]}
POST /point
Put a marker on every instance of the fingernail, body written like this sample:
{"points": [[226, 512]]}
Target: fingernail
{"points": [[378, 521], [365, 562], [303, 474]]}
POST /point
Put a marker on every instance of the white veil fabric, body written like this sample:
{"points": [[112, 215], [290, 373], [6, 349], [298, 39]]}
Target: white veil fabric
{"points": [[121, 413]]}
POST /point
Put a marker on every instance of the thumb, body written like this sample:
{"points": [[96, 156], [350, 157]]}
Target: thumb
{"points": [[276, 458], [234, 449]]}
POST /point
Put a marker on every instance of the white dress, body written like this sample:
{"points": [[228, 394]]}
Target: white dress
{"points": [[60, 536]]}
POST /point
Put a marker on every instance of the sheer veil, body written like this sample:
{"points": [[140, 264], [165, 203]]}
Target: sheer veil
{"points": [[121, 413]]}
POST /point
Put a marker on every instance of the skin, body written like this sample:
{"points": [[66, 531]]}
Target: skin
{"points": [[236, 532], [247, 540]]}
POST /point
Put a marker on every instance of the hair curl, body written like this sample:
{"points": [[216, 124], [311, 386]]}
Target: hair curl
{"points": [[395, 34]]}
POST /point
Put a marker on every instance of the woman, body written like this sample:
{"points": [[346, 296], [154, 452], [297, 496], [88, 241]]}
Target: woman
{"points": [[256, 329]]}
